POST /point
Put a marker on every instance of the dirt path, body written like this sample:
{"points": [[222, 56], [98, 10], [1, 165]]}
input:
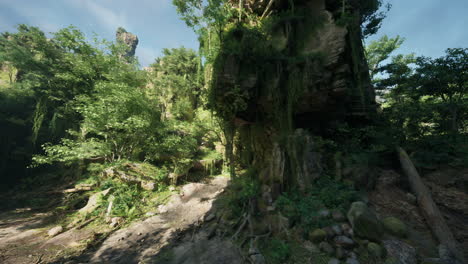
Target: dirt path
{"points": [[157, 237], [24, 239]]}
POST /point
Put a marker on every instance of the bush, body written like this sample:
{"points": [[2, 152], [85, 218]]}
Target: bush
{"points": [[244, 189], [276, 250], [303, 209]]}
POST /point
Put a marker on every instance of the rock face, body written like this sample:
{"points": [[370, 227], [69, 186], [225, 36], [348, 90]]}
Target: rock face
{"points": [[274, 83], [129, 40]]}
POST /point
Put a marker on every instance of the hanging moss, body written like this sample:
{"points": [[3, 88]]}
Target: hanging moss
{"points": [[260, 72]]}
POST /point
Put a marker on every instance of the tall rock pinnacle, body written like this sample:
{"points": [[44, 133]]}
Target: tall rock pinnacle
{"points": [[128, 39]]}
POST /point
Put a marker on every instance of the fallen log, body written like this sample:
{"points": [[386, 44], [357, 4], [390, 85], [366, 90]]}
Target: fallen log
{"points": [[429, 209]]}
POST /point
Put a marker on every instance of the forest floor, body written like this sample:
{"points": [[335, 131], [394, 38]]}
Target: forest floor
{"points": [[24, 234], [187, 229]]}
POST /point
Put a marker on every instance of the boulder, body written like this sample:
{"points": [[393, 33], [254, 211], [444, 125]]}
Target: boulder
{"points": [[375, 250], [395, 227], [399, 250], [318, 235], [364, 222], [93, 202]]}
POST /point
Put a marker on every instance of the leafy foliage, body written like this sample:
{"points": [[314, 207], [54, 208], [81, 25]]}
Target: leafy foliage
{"points": [[276, 250], [424, 99], [85, 104], [303, 209]]}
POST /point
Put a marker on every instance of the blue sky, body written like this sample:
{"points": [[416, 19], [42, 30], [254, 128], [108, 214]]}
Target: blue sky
{"points": [[429, 26]]}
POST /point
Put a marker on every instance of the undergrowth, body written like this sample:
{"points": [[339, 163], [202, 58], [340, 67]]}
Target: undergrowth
{"points": [[325, 193]]}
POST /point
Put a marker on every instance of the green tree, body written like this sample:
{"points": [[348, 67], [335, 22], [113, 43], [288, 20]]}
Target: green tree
{"points": [[445, 81], [379, 51], [176, 79]]}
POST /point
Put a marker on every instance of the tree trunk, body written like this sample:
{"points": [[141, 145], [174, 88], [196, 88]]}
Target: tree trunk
{"points": [[430, 210]]}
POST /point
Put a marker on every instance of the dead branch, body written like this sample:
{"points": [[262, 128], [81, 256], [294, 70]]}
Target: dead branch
{"points": [[430, 210]]}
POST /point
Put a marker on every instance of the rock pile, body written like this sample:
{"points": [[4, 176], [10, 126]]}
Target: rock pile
{"points": [[360, 237]]}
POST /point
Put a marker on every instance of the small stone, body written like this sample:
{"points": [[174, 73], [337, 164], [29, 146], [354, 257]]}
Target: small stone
{"points": [[212, 231], [344, 241], [375, 250], [338, 216], [55, 231], [149, 214], [258, 259], [329, 231], [445, 255], [337, 230], [324, 213], [411, 198], [327, 248], [318, 235], [395, 227], [172, 188], [210, 217], [148, 185], [352, 255], [115, 221], [352, 261], [345, 226], [140, 234], [253, 251], [349, 232], [340, 253], [309, 246], [333, 261], [391, 260]]}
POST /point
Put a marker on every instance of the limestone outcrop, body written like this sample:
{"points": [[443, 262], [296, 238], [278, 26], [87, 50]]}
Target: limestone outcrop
{"points": [[129, 40], [279, 81]]}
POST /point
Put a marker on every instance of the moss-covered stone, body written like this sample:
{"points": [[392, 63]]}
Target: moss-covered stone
{"points": [[365, 223], [318, 235], [391, 260], [375, 250], [395, 227]]}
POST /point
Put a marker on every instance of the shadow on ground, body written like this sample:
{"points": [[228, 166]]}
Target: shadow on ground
{"points": [[187, 231]]}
